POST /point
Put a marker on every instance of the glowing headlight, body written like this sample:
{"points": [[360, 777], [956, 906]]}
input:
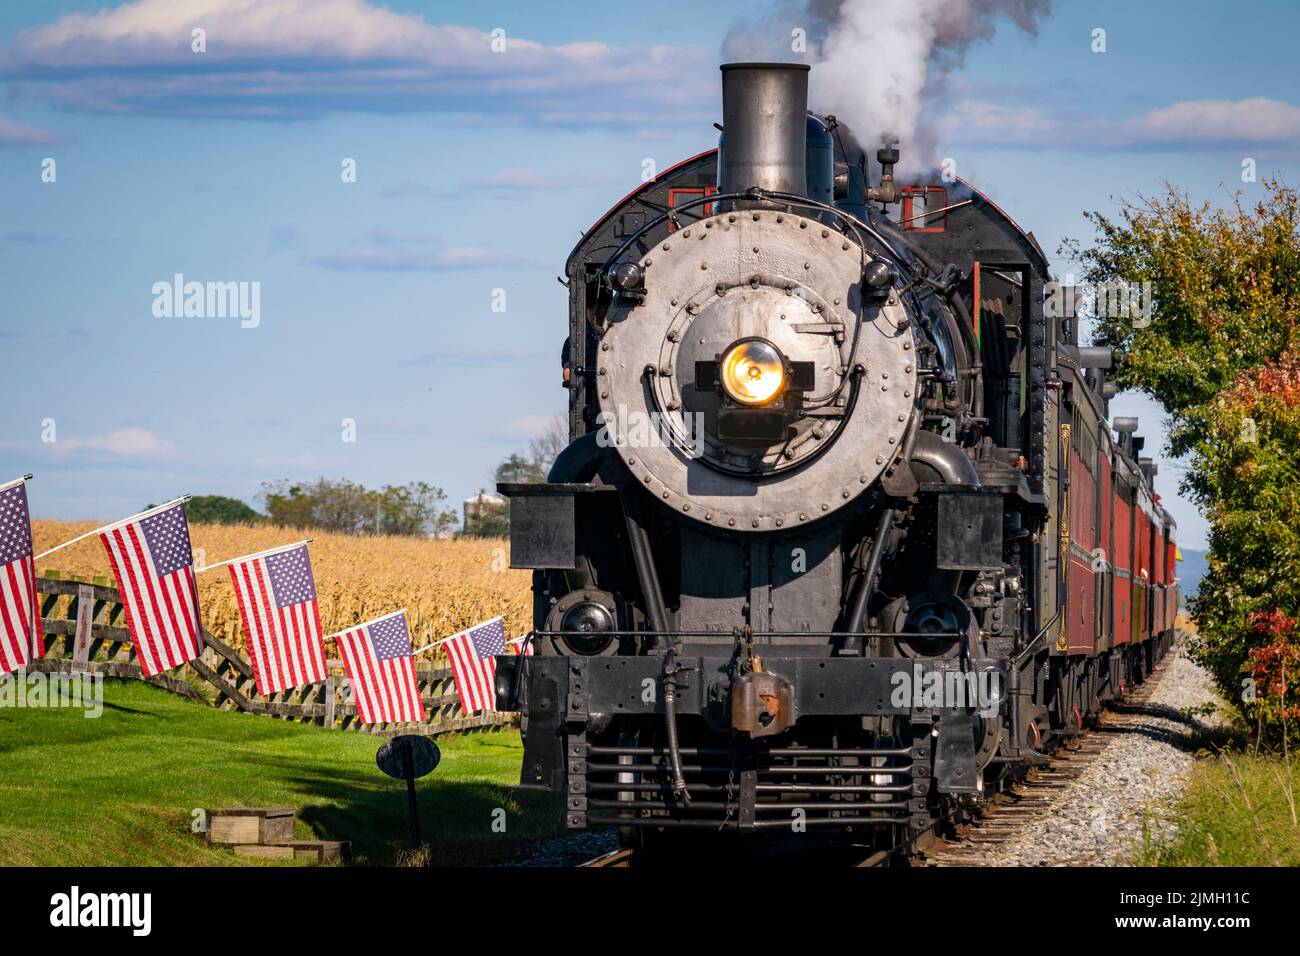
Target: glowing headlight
{"points": [[751, 372]]}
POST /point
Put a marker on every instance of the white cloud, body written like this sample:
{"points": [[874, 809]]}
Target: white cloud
{"points": [[387, 252], [293, 58], [125, 442], [13, 133], [1187, 124], [1254, 120]]}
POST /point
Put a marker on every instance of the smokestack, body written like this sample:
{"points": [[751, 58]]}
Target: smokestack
{"points": [[764, 128]]}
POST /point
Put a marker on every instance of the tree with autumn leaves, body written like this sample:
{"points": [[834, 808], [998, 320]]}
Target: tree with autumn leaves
{"points": [[1222, 356]]}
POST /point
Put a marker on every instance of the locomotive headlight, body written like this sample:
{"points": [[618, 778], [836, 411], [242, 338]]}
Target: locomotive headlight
{"points": [[752, 372]]}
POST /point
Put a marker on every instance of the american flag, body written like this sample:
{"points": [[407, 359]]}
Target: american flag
{"points": [[523, 646], [20, 622], [277, 601], [154, 568], [377, 656], [474, 664]]}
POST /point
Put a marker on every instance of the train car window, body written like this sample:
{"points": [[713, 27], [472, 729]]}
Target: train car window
{"points": [[682, 195], [922, 209]]}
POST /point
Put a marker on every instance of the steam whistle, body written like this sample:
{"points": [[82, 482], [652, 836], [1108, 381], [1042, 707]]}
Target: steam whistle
{"points": [[886, 192]]}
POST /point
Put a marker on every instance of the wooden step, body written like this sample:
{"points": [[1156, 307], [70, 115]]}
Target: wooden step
{"points": [[320, 851], [248, 826], [283, 852]]}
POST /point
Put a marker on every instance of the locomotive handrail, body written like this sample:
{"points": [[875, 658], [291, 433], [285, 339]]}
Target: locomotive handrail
{"points": [[757, 194], [702, 633]]}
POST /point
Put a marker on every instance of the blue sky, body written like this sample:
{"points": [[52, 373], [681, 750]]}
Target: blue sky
{"points": [[476, 171]]}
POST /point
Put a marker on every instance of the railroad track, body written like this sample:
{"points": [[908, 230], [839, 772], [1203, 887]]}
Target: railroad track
{"points": [[621, 857], [1010, 813]]}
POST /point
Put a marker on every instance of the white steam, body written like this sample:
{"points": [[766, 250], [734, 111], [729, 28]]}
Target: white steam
{"points": [[879, 65]]}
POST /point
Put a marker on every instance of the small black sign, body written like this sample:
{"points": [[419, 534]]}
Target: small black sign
{"points": [[421, 752]]}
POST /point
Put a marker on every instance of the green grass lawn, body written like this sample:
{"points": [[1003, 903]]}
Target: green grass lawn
{"points": [[1236, 811], [120, 789]]}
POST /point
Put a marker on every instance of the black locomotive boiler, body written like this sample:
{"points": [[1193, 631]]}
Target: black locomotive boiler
{"points": [[843, 540]]}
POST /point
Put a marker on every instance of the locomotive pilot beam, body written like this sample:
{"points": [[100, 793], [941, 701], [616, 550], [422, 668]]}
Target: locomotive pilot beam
{"points": [[842, 534]]}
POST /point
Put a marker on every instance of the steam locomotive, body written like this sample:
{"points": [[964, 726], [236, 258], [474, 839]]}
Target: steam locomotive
{"points": [[843, 540]]}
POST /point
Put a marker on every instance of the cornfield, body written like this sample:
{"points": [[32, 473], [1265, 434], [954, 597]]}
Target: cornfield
{"points": [[445, 585]]}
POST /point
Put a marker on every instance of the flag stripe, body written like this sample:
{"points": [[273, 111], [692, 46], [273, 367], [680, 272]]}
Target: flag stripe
{"points": [[12, 649], [162, 611], [285, 651], [474, 676], [137, 615], [385, 691], [166, 646]]}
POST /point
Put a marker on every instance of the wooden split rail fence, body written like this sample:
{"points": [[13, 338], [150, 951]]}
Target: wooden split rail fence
{"points": [[85, 632]]}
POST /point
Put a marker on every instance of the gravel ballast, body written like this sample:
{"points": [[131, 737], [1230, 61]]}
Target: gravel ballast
{"points": [[1098, 819]]}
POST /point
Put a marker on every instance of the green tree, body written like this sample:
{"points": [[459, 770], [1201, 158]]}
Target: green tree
{"points": [[517, 468], [1223, 357], [218, 509], [416, 508]]}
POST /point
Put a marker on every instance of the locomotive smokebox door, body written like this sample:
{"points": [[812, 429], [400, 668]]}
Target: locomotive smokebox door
{"points": [[969, 533]]}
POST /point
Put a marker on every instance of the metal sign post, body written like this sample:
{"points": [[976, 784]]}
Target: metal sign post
{"points": [[406, 757]]}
